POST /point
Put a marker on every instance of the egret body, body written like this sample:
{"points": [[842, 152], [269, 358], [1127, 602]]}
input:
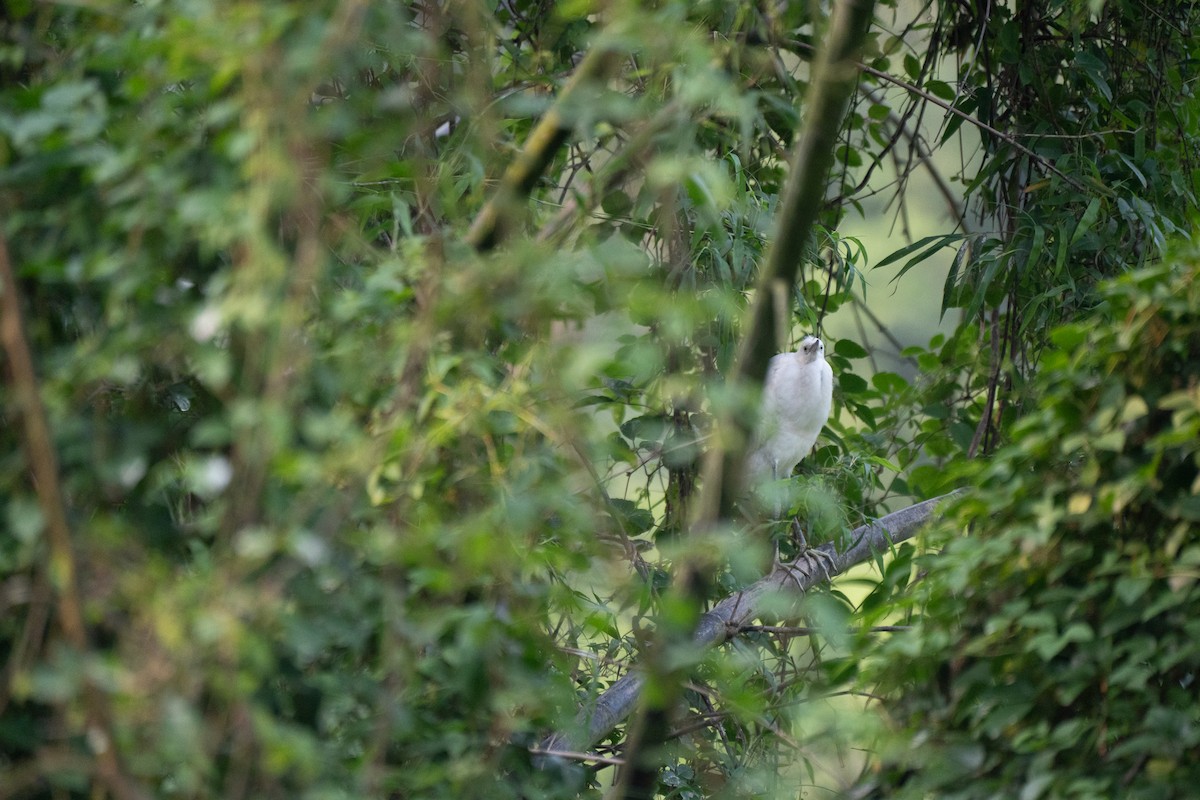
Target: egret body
{"points": [[797, 396]]}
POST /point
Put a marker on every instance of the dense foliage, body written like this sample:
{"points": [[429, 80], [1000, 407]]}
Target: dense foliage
{"points": [[339, 462], [1058, 628]]}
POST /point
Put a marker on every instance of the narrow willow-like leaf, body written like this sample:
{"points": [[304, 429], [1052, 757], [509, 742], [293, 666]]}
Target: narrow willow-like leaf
{"points": [[941, 240]]}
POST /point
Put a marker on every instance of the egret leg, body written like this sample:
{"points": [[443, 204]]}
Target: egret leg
{"points": [[778, 509], [823, 559], [775, 479], [798, 536]]}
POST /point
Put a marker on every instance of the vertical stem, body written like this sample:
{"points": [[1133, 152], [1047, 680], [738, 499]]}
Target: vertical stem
{"points": [[834, 79], [495, 219], [61, 569], [835, 76]]}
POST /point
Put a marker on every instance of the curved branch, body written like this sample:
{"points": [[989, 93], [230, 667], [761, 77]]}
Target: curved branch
{"points": [[735, 611], [926, 159]]}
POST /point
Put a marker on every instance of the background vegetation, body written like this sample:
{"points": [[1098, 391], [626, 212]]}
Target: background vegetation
{"points": [[359, 360]]}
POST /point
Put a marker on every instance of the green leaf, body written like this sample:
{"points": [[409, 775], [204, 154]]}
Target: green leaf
{"points": [[632, 518], [851, 383], [649, 428], [1068, 337], [878, 112], [1090, 215], [932, 245], [1036, 248], [848, 348], [1095, 70], [889, 382], [940, 89]]}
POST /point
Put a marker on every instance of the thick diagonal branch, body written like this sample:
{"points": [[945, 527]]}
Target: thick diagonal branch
{"points": [[716, 627]]}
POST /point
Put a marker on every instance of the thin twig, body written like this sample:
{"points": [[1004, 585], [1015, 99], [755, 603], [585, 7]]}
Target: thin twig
{"points": [[862, 307], [573, 755], [804, 630], [937, 101]]}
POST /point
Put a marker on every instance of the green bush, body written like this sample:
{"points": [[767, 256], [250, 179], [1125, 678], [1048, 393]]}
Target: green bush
{"points": [[1058, 632]]}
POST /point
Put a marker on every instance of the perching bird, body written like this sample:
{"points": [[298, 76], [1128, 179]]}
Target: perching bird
{"points": [[796, 399]]}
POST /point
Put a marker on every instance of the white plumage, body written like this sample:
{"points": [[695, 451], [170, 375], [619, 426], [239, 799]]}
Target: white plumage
{"points": [[797, 396]]}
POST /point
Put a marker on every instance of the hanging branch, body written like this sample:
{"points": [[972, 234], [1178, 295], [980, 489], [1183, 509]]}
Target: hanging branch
{"points": [[629, 157], [61, 568], [727, 618]]}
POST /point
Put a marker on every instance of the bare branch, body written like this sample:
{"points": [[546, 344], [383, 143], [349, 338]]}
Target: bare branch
{"points": [[950, 108]]}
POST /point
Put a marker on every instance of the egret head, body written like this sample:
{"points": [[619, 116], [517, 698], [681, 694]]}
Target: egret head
{"points": [[811, 349]]}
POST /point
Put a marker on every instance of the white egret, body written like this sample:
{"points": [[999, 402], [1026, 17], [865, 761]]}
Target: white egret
{"points": [[797, 396]]}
